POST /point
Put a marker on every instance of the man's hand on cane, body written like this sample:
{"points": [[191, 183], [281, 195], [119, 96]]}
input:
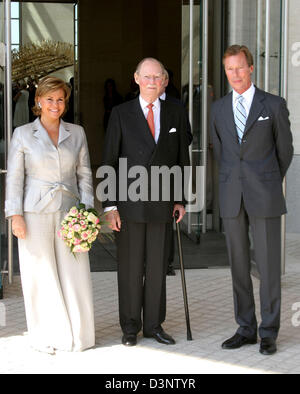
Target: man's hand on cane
{"points": [[181, 211]]}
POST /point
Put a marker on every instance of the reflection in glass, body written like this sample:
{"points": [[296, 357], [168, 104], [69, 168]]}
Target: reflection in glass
{"points": [[3, 249], [15, 31], [246, 22], [15, 9]]}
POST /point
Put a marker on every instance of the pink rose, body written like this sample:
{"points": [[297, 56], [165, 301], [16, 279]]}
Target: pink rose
{"points": [[84, 235], [76, 227], [73, 211]]}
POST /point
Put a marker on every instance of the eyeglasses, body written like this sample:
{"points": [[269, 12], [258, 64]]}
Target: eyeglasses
{"points": [[149, 78]]}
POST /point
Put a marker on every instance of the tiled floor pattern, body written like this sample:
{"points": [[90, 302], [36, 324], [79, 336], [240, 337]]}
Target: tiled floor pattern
{"points": [[212, 321]]}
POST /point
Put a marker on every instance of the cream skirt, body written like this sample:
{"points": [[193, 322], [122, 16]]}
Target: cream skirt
{"points": [[56, 286]]}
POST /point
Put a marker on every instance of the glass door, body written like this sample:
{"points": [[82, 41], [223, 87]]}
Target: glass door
{"points": [[3, 224], [18, 28], [197, 96], [262, 27]]}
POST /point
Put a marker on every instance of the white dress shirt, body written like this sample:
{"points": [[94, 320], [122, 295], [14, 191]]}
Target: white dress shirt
{"points": [[156, 113], [163, 96], [248, 98]]}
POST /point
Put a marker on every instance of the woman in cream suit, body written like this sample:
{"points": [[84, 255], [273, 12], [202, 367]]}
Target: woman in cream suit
{"points": [[49, 172]]}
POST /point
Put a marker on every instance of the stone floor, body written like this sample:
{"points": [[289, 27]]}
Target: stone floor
{"points": [[212, 321]]}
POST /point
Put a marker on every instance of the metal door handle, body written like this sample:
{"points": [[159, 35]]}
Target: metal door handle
{"points": [[3, 171]]}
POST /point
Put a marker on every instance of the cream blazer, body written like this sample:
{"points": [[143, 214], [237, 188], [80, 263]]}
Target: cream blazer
{"points": [[44, 179]]}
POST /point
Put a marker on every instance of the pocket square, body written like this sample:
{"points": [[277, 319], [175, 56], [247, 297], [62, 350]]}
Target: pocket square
{"points": [[173, 130], [262, 118]]}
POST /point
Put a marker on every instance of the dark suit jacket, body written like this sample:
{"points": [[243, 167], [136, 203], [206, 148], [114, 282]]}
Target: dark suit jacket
{"points": [[188, 125], [128, 136], [255, 168]]}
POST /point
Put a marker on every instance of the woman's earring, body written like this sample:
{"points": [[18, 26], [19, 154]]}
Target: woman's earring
{"points": [[39, 105]]}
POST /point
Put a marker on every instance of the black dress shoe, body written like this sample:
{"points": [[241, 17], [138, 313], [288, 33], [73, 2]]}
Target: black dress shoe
{"points": [[171, 271], [238, 341], [161, 337], [268, 346], [129, 339]]}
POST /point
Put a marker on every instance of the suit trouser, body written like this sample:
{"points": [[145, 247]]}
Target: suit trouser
{"points": [[171, 246], [142, 267], [56, 286], [266, 234]]}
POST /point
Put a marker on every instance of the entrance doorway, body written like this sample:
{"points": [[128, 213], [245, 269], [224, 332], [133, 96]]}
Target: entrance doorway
{"points": [[109, 38], [173, 32]]}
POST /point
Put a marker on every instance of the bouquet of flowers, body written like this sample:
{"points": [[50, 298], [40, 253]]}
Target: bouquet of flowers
{"points": [[80, 228]]}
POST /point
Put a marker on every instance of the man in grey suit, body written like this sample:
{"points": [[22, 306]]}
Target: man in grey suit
{"points": [[252, 143]]}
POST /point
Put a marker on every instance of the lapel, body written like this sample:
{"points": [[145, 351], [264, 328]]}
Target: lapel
{"points": [[64, 131], [163, 121], [143, 128], [163, 128], [40, 133], [256, 108], [228, 116]]}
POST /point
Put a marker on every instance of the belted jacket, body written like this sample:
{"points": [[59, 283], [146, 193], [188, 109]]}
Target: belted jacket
{"points": [[43, 178]]}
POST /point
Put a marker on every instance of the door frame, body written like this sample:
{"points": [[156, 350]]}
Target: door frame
{"points": [[7, 122]]}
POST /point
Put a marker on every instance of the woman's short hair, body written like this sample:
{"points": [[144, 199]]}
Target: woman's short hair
{"points": [[234, 50], [47, 85]]}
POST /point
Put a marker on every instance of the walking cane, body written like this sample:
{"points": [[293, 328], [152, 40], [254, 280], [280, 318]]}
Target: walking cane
{"points": [[186, 307]]}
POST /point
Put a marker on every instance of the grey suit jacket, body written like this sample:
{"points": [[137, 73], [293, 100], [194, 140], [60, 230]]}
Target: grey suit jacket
{"points": [[255, 168], [42, 178]]}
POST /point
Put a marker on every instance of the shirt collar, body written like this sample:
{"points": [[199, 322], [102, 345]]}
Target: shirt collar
{"points": [[144, 103], [163, 96], [247, 95]]}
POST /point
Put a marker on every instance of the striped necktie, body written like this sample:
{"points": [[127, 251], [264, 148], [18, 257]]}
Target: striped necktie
{"points": [[240, 118]]}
